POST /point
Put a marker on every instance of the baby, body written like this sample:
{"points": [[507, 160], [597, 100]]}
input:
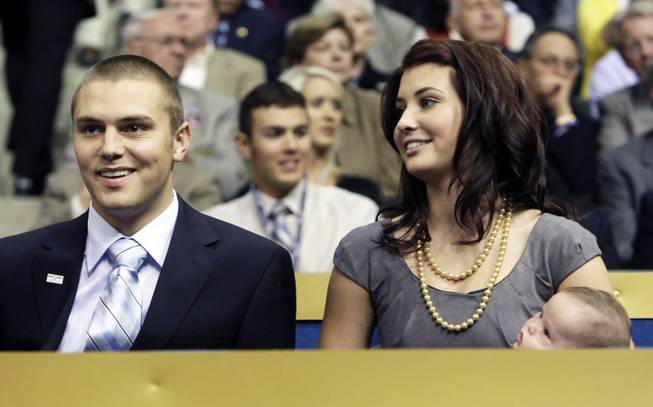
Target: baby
{"points": [[578, 317]]}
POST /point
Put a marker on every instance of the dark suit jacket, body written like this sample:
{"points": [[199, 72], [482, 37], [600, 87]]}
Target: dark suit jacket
{"points": [[625, 114], [571, 160], [643, 246], [220, 287], [625, 174], [257, 33]]}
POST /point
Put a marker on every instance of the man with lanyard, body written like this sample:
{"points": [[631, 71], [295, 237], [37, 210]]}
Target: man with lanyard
{"points": [[307, 219]]}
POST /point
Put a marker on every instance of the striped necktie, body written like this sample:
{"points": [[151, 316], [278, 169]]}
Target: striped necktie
{"points": [[118, 314], [277, 228]]}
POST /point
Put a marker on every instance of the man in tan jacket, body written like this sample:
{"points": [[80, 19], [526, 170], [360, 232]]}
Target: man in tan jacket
{"points": [[220, 70]]}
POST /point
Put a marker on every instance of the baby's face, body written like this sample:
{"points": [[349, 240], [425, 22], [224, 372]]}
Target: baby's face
{"points": [[549, 328]]}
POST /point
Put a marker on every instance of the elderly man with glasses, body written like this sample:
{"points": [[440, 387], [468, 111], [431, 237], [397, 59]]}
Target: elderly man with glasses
{"points": [[628, 113], [550, 65]]}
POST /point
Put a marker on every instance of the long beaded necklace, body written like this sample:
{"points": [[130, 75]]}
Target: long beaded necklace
{"points": [[505, 217], [481, 258]]}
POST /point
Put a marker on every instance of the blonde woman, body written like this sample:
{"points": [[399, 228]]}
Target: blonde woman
{"points": [[324, 93], [326, 41]]}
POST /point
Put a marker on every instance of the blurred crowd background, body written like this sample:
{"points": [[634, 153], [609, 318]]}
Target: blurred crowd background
{"points": [[587, 62]]}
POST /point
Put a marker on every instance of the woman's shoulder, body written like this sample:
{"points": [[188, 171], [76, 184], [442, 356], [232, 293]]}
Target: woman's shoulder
{"points": [[555, 227], [359, 252], [558, 246], [364, 237]]}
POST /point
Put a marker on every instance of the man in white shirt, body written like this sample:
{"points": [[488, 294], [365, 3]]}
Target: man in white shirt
{"points": [[307, 219], [184, 280]]}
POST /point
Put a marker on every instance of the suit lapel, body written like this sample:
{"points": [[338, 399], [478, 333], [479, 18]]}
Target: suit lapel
{"points": [[645, 149], [217, 69], [55, 275], [186, 268]]}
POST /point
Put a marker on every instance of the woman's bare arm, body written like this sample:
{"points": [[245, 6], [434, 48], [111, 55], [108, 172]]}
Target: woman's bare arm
{"points": [[349, 314]]}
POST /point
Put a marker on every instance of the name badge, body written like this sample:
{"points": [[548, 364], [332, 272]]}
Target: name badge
{"points": [[54, 279]]}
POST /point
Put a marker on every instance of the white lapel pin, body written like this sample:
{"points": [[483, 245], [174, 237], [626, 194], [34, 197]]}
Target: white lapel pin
{"points": [[54, 279]]}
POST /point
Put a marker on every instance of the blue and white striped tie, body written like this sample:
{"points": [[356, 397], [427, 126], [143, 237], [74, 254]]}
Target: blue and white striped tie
{"points": [[278, 227], [118, 314]]}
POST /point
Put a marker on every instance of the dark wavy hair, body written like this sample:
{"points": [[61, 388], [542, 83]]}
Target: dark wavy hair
{"points": [[500, 147]]}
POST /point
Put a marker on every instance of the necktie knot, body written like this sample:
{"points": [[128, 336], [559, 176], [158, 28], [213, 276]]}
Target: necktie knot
{"points": [[278, 210], [128, 253]]}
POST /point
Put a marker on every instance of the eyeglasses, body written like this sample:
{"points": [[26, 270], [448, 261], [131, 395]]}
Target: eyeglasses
{"points": [[636, 47], [570, 65]]}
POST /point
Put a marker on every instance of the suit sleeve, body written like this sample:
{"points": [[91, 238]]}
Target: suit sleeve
{"points": [[252, 76], [270, 319], [643, 246], [615, 196], [614, 128], [199, 188], [225, 160], [574, 155], [390, 163]]}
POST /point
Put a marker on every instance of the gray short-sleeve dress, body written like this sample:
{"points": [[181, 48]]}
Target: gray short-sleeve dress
{"points": [[556, 247]]}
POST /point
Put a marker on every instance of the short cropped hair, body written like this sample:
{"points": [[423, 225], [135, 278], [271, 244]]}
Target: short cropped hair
{"points": [[269, 94], [308, 31], [612, 31], [132, 67], [607, 326]]}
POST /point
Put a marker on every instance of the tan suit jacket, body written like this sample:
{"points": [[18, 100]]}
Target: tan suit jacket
{"points": [[364, 150], [233, 73], [196, 186]]}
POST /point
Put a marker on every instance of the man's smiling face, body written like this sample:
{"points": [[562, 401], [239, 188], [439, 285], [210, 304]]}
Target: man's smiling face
{"points": [[125, 147]]}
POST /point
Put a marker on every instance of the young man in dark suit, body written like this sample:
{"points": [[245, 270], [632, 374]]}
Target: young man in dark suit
{"points": [[183, 280]]}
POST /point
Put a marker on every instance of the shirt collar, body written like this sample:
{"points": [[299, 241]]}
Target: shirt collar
{"points": [[101, 235], [209, 48], [292, 200]]}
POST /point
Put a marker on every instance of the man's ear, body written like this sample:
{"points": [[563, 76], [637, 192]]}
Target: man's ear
{"points": [[244, 145], [181, 143]]}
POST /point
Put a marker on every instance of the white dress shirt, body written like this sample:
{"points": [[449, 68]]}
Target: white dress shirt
{"points": [[195, 68], [611, 74], [154, 238], [329, 214]]}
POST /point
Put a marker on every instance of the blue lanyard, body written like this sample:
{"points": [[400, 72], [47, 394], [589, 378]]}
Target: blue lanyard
{"points": [[258, 200]]}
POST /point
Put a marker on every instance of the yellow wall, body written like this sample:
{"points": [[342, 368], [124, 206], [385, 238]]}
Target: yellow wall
{"points": [[478, 378]]}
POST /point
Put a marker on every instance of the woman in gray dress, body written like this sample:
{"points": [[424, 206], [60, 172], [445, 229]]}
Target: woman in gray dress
{"points": [[473, 247]]}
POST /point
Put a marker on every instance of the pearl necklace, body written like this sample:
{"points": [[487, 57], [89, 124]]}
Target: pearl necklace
{"points": [[488, 289], [481, 258]]}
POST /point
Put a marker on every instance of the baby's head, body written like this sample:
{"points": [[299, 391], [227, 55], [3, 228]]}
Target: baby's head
{"points": [[578, 317]]}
